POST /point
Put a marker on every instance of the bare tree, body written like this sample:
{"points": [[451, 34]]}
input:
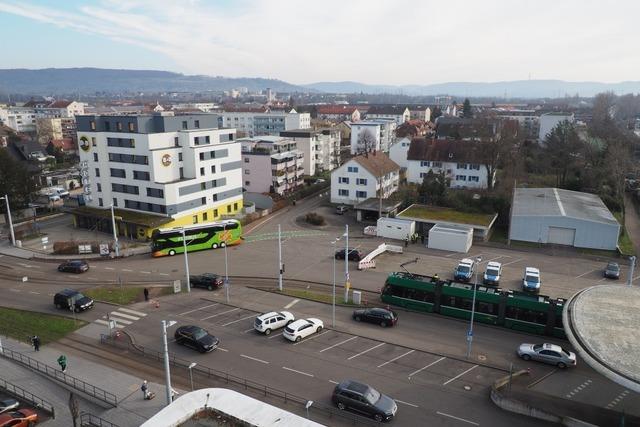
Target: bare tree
{"points": [[366, 142]]}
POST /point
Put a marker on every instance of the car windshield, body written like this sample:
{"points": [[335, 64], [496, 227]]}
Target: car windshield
{"points": [[78, 296], [531, 279], [537, 347], [492, 272], [463, 268], [199, 334], [372, 395], [613, 267]]}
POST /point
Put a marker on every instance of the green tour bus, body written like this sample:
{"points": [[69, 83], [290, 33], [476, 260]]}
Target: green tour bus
{"points": [[212, 235]]}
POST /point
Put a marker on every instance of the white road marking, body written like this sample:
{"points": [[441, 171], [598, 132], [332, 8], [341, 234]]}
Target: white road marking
{"points": [[618, 399], [127, 270], [105, 323], [93, 278], [220, 314], [51, 295], [366, 351], [425, 367], [124, 322], [145, 272], [334, 382], [239, 320], [201, 308], [223, 349], [136, 313], [248, 330], [126, 316], [459, 375], [512, 262], [292, 303], [298, 372], [493, 259], [584, 274], [455, 253], [457, 418], [406, 403], [163, 274], [395, 358], [254, 359], [34, 292], [109, 268], [335, 345], [14, 290], [276, 335], [310, 338]]}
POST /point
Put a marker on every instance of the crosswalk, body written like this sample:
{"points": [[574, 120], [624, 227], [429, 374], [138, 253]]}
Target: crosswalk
{"points": [[122, 316]]}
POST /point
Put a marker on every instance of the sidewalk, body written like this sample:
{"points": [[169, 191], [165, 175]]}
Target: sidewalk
{"points": [[26, 253]]}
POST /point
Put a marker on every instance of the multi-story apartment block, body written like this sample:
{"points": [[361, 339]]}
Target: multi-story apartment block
{"points": [[399, 113], [49, 129], [251, 123], [271, 164], [20, 119], [338, 113], [158, 170], [420, 112], [321, 148], [372, 135], [528, 120], [24, 118], [551, 120], [370, 175]]}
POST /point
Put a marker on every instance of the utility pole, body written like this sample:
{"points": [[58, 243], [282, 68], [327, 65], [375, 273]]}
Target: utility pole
{"points": [[473, 309], [115, 234], [226, 267], [346, 264], [186, 260], [280, 266], [632, 265], [167, 373], [13, 237]]}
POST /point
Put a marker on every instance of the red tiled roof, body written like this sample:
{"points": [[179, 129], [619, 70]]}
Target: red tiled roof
{"points": [[378, 163], [336, 109], [59, 104], [65, 144], [444, 150]]}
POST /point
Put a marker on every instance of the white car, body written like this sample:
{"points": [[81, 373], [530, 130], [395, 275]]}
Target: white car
{"points": [[60, 191], [302, 328], [267, 322]]}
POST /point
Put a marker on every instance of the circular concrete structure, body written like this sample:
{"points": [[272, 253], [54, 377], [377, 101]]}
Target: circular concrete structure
{"points": [[603, 324]]}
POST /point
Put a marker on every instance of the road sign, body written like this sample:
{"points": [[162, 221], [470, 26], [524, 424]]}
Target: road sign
{"points": [[177, 286], [104, 249]]}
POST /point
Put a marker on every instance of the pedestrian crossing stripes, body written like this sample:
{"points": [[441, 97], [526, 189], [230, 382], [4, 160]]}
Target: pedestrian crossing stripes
{"points": [[122, 317], [284, 235]]}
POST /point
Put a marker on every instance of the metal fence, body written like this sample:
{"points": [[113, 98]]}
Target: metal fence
{"points": [[27, 396], [90, 420], [318, 408], [51, 372]]}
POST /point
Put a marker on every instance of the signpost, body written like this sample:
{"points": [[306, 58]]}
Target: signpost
{"points": [[177, 286]]}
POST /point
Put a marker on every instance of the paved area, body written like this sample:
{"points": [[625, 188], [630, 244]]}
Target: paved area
{"points": [[612, 350]]}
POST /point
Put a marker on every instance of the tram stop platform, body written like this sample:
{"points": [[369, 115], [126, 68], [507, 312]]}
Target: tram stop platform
{"points": [[602, 323]]}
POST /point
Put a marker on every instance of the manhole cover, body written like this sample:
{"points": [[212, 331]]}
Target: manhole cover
{"points": [[467, 387], [481, 357]]}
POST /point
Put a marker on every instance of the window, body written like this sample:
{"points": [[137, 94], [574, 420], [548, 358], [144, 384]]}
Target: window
{"points": [[121, 142], [115, 202], [361, 181], [204, 216], [213, 168], [203, 186], [99, 188], [184, 126], [246, 160], [92, 125], [95, 157], [128, 158], [97, 172], [201, 156], [131, 128], [155, 192], [235, 206], [343, 180], [422, 174], [207, 139], [203, 200], [119, 126], [100, 202], [215, 213], [247, 183], [179, 157], [176, 141], [228, 208], [141, 175], [343, 192], [461, 166], [196, 140], [246, 171], [93, 141], [437, 164], [425, 164], [107, 126], [361, 194], [461, 177], [118, 173], [196, 124], [194, 219], [353, 169], [123, 188], [474, 167], [181, 173], [201, 171], [474, 179]]}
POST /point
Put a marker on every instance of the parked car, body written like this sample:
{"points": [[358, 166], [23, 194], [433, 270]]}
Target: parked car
{"points": [[267, 322], [354, 254], [492, 273], [68, 299], [60, 191], [19, 418], [547, 353], [74, 266], [341, 209], [379, 316], [54, 197], [464, 271], [531, 280], [302, 328], [7, 403], [196, 338], [208, 281], [362, 398], [612, 270]]}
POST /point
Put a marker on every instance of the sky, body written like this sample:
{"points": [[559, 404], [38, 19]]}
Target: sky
{"points": [[304, 41]]}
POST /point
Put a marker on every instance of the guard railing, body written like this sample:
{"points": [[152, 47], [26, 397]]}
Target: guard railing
{"points": [[27, 396]]}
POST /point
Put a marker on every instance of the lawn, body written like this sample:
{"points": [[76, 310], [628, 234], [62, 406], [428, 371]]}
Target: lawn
{"points": [[435, 214], [126, 294], [316, 296], [22, 325], [624, 242]]}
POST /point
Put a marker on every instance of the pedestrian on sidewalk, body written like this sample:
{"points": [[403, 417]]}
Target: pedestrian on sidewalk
{"points": [[62, 361], [406, 241], [146, 294], [145, 389], [35, 340]]}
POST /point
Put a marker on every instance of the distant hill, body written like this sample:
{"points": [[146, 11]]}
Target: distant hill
{"points": [[90, 80], [510, 89]]}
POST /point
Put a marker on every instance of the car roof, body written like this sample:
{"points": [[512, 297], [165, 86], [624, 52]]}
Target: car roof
{"points": [[553, 347], [191, 328], [494, 264], [267, 315], [532, 270], [466, 261], [612, 264], [67, 292], [356, 386]]}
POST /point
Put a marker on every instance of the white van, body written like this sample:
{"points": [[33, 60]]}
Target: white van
{"points": [[492, 273], [531, 280]]}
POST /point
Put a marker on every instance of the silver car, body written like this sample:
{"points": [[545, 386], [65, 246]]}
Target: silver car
{"points": [[547, 353]]}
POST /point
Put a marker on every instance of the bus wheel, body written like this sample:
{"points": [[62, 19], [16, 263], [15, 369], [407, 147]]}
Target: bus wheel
{"points": [[223, 244], [172, 252], [214, 246]]}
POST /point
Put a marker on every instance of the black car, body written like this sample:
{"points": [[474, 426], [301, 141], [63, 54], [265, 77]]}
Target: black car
{"points": [[7, 403], [197, 338], [612, 270], [208, 281], [71, 299], [364, 399], [74, 266], [379, 316], [354, 254]]}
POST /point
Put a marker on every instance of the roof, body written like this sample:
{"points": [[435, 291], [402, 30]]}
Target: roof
{"points": [[378, 163], [556, 202], [466, 128], [336, 109], [449, 216], [395, 110], [444, 150], [60, 104], [65, 144]]}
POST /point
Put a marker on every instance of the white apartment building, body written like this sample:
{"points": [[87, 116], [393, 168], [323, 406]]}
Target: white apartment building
{"points": [[55, 128], [398, 113], [363, 177], [528, 120], [177, 170], [23, 119], [372, 135], [551, 120], [321, 148], [250, 123], [271, 164]]}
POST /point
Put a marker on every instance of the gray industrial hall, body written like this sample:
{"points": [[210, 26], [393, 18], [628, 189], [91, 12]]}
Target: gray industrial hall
{"points": [[562, 217]]}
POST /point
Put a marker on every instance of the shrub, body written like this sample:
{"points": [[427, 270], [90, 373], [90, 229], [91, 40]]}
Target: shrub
{"points": [[314, 219]]}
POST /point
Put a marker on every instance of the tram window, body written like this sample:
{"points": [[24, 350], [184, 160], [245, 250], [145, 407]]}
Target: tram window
{"points": [[457, 302], [429, 297], [484, 307], [526, 315], [559, 321]]}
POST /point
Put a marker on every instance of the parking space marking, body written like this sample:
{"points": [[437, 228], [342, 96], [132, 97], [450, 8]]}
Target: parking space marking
{"points": [[455, 253], [512, 262], [584, 274], [298, 372], [220, 314], [335, 345], [618, 398], [291, 304], [34, 292], [163, 274], [366, 351], [334, 382], [406, 403], [425, 367], [14, 290], [254, 359], [493, 259], [239, 320], [247, 331], [109, 268], [578, 389], [457, 418], [276, 335], [223, 349], [127, 270], [201, 308], [459, 375], [93, 278], [395, 358], [310, 338], [145, 272]]}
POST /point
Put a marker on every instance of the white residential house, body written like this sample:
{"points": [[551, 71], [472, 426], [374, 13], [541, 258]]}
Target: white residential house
{"points": [[321, 148], [372, 135], [251, 123], [363, 177], [398, 113], [338, 113], [459, 160], [24, 119], [271, 164], [420, 112], [398, 152], [551, 120]]}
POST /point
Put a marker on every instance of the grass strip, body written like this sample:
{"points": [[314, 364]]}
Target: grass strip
{"points": [[126, 294], [22, 325]]}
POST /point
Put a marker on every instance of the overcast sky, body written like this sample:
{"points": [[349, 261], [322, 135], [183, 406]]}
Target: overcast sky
{"points": [[305, 41]]}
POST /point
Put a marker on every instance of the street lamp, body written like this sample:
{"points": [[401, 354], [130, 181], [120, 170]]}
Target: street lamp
{"points": [[115, 235], [333, 304], [346, 263], [280, 266], [167, 324], [191, 366], [13, 237], [226, 266], [473, 309], [186, 260], [632, 264]]}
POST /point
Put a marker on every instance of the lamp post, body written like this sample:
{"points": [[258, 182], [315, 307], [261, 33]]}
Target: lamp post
{"points": [[13, 237], [333, 303], [167, 324], [115, 234], [191, 366], [226, 266], [280, 266], [473, 309], [346, 264], [186, 260], [632, 265]]}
